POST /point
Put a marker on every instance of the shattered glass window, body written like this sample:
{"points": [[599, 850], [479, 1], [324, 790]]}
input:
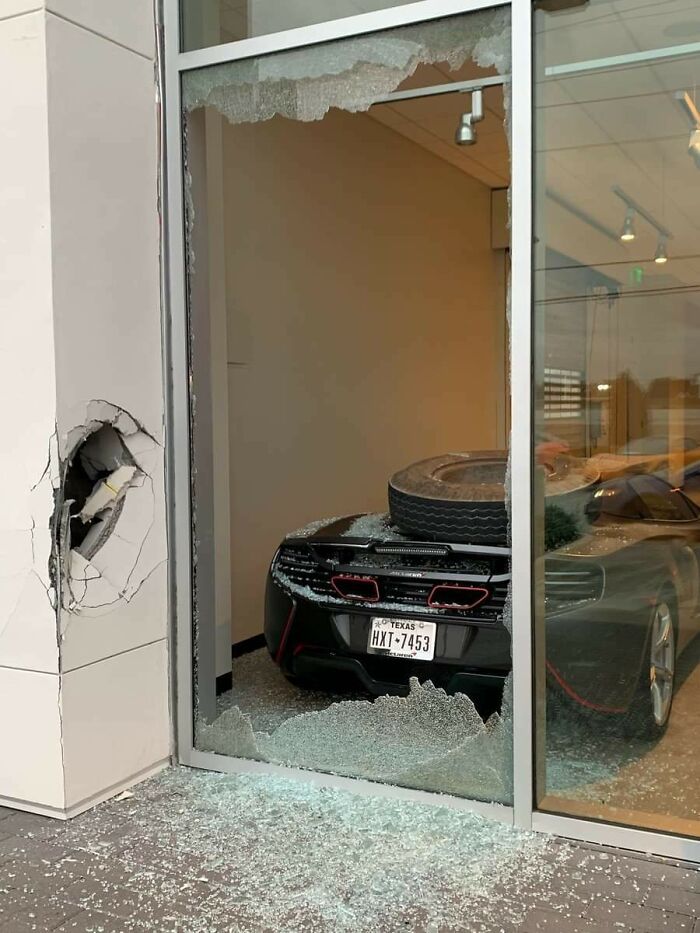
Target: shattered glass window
{"points": [[349, 408], [617, 300]]}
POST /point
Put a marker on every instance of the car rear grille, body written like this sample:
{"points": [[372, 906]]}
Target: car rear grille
{"points": [[300, 567], [429, 558], [571, 582]]}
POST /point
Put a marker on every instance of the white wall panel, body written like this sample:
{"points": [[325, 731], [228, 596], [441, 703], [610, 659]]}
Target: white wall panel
{"points": [[102, 122], [13, 8], [89, 637], [128, 22], [31, 768], [115, 720], [27, 376]]}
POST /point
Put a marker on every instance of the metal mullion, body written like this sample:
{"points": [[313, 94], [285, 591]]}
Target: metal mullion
{"points": [[521, 410], [360, 786], [179, 444], [620, 836], [177, 395]]}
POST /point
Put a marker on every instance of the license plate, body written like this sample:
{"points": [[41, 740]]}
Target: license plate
{"points": [[402, 638]]}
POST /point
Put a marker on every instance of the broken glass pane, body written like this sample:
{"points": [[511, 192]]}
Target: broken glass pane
{"points": [[310, 214], [350, 74]]}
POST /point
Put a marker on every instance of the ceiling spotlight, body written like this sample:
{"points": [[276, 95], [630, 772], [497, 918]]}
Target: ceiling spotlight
{"points": [[627, 232], [689, 108], [661, 254], [466, 134], [694, 146]]}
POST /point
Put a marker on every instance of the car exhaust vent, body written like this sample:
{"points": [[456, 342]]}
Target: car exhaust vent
{"points": [[456, 596], [421, 550], [361, 589]]}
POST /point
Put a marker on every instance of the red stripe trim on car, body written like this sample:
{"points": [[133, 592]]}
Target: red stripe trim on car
{"points": [[579, 699], [285, 633]]}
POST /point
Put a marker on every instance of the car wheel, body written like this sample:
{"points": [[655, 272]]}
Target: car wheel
{"points": [[650, 713]]}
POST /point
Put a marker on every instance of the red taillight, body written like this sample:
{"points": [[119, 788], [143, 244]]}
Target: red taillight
{"points": [[361, 589], [456, 596]]}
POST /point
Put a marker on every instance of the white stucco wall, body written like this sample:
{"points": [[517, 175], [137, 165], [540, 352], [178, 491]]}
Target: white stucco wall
{"points": [[83, 669]]}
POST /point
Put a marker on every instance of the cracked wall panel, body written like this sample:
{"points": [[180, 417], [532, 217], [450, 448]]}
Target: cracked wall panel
{"points": [[28, 637], [105, 227], [91, 635], [28, 625], [112, 538]]}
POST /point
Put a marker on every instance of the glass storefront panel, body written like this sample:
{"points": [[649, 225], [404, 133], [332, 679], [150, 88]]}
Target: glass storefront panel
{"points": [[347, 253], [617, 412], [212, 22]]}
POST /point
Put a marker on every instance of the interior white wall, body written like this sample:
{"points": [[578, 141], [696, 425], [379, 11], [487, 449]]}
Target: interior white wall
{"points": [[365, 309]]}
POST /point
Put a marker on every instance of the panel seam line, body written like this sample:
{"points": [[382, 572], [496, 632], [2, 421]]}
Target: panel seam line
{"points": [[6, 19], [100, 35], [117, 654]]}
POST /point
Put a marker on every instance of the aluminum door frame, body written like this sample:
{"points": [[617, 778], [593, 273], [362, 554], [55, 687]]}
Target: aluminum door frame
{"points": [[523, 813]]}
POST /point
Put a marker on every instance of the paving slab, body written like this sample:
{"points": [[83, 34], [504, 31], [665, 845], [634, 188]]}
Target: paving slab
{"points": [[202, 853]]}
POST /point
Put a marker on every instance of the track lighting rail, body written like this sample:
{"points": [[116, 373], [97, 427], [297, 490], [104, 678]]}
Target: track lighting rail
{"points": [[455, 87], [643, 212]]}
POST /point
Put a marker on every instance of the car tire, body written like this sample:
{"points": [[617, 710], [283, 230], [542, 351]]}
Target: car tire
{"points": [[650, 710], [456, 497]]}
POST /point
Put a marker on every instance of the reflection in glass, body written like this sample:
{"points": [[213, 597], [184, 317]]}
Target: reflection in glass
{"points": [[213, 22], [617, 337], [342, 267]]}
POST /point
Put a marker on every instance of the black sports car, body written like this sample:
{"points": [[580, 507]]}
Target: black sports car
{"points": [[357, 596]]}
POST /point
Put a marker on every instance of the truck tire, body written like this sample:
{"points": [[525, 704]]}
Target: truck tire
{"points": [[454, 497]]}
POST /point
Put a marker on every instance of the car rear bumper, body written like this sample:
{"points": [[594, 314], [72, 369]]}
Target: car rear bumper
{"points": [[310, 640], [393, 680]]}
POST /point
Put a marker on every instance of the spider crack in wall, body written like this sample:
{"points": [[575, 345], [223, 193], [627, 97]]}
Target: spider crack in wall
{"points": [[105, 511]]}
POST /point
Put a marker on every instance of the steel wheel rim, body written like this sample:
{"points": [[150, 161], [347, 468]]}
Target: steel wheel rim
{"points": [[662, 663]]}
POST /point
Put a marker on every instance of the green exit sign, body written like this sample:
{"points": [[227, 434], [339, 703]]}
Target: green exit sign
{"points": [[636, 275]]}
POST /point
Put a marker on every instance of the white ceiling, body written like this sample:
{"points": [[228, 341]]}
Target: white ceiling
{"points": [[431, 123], [620, 126]]}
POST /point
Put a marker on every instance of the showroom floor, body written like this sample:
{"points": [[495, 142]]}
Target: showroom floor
{"points": [[199, 852]]}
